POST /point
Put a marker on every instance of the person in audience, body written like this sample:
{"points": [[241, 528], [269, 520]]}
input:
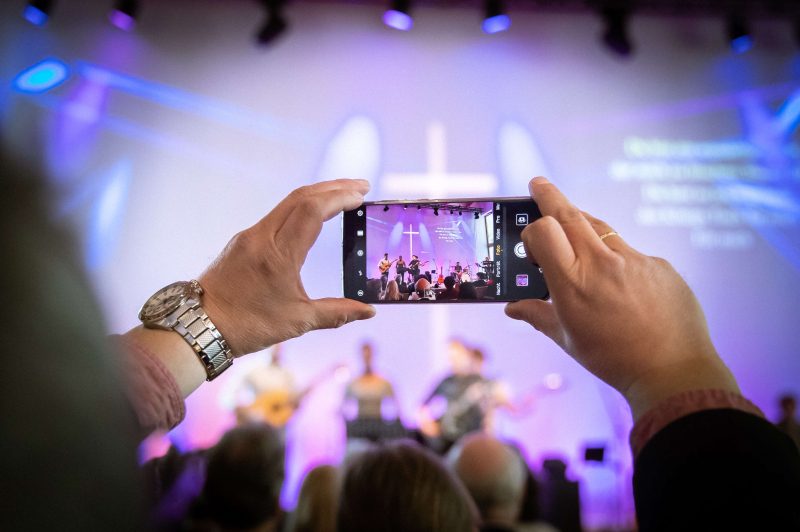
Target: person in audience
{"points": [[392, 292], [244, 477], [402, 487], [788, 423], [628, 318], [467, 291], [495, 476], [422, 291], [480, 281], [450, 291], [317, 502]]}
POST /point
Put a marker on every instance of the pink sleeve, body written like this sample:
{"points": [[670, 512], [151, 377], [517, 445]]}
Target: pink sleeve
{"points": [[151, 389], [682, 405]]}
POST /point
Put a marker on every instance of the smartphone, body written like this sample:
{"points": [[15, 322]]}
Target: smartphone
{"points": [[444, 251]]}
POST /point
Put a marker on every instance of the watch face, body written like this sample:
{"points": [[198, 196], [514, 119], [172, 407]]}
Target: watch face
{"points": [[164, 301]]}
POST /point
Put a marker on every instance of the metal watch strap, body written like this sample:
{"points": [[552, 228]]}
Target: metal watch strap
{"points": [[195, 327]]}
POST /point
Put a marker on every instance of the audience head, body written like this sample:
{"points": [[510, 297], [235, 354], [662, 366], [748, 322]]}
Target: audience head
{"points": [[244, 477], [404, 488], [392, 291], [317, 502], [494, 474], [467, 291], [788, 404], [373, 289], [449, 282], [421, 286]]}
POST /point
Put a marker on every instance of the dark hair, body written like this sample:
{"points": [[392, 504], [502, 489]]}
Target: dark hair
{"points": [[404, 488], [467, 291], [449, 282], [244, 478]]}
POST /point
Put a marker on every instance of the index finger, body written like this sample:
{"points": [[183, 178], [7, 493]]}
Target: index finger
{"points": [[552, 202], [303, 225], [276, 218]]}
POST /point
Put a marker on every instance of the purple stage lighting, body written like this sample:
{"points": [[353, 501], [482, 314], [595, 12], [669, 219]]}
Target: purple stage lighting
{"points": [[496, 24], [398, 20], [123, 16], [41, 77], [122, 20]]}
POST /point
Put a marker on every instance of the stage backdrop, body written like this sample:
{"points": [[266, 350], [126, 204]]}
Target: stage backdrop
{"points": [[165, 141]]}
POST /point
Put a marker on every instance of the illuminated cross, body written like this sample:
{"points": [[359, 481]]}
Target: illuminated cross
{"points": [[437, 182], [410, 234]]}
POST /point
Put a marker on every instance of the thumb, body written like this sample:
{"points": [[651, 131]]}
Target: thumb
{"points": [[333, 312], [541, 314]]}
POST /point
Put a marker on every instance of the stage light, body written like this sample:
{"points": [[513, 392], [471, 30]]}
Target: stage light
{"points": [[405, 207], [436, 211], [495, 19], [477, 215], [615, 35], [124, 14], [451, 211], [398, 16], [419, 207], [42, 77], [460, 212], [739, 35], [385, 208], [38, 11], [275, 23]]}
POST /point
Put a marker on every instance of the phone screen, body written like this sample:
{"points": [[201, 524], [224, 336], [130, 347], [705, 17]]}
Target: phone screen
{"points": [[451, 251]]}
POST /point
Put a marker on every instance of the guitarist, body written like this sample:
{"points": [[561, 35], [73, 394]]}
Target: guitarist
{"points": [[384, 266], [470, 400], [274, 393], [413, 267]]}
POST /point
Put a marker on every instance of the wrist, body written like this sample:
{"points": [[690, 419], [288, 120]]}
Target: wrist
{"points": [[650, 389], [174, 353]]}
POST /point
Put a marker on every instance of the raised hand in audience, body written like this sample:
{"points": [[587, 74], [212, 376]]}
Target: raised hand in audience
{"points": [[628, 318]]}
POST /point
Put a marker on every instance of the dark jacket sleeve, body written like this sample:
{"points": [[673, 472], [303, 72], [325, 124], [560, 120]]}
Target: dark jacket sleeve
{"points": [[718, 470]]}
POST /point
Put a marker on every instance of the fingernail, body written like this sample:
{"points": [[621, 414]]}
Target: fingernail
{"points": [[536, 180]]}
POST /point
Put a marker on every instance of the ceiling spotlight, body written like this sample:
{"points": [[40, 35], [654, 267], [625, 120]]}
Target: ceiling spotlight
{"points": [[477, 215], [38, 11], [460, 212], [385, 208], [739, 35], [275, 23], [436, 211], [419, 207], [398, 16], [123, 16], [405, 207], [495, 19], [451, 211], [615, 34]]}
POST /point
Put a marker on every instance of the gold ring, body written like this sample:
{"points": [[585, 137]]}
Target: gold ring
{"points": [[606, 235]]}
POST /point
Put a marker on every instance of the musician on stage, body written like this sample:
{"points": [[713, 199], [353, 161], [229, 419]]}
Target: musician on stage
{"points": [[401, 269], [413, 267], [373, 396], [384, 266], [272, 392], [470, 400], [457, 268]]}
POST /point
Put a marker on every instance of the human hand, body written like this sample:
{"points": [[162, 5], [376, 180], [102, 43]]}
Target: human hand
{"points": [[628, 318], [253, 292]]}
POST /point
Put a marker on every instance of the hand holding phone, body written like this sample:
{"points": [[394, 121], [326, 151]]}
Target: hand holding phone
{"points": [[451, 251]]}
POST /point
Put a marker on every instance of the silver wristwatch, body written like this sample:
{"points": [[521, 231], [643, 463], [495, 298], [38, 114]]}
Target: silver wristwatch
{"points": [[177, 307]]}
